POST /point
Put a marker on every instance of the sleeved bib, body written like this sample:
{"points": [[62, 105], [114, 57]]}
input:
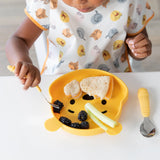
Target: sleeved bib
{"points": [[88, 40]]}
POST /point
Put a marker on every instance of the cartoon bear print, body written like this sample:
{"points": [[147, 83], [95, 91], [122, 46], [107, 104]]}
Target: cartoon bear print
{"points": [[73, 66], [41, 13], [96, 34], [67, 33]]}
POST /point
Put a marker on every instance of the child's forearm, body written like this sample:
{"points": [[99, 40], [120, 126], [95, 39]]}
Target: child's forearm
{"points": [[17, 47], [17, 50]]}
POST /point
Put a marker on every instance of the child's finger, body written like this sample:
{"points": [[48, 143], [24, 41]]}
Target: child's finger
{"points": [[136, 39], [140, 55], [29, 82], [23, 81], [37, 80], [24, 70], [35, 83], [142, 50], [17, 68], [128, 39], [142, 43], [131, 47]]}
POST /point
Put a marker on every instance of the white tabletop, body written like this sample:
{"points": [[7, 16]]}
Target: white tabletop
{"points": [[23, 136]]}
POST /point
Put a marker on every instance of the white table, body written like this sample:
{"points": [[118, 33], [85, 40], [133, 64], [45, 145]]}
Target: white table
{"points": [[23, 136]]}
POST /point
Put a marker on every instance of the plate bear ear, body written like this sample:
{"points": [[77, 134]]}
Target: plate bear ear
{"points": [[52, 124]]}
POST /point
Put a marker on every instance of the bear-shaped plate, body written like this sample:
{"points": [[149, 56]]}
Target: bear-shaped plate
{"points": [[111, 108]]}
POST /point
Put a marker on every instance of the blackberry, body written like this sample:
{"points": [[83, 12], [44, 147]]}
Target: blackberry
{"points": [[87, 97], [57, 106], [82, 116], [84, 125], [65, 121], [75, 125]]}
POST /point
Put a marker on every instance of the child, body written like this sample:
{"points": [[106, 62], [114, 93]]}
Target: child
{"points": [[81, 34]]}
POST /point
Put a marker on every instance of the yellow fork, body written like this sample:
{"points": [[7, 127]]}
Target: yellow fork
{"points": [[12, 69]]}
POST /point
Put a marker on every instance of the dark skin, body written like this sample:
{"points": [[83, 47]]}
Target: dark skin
{"points": [[139, 46], [17, 51]]}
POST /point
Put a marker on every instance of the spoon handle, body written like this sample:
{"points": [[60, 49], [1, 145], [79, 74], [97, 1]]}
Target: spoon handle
{"points": [[143, 97]]}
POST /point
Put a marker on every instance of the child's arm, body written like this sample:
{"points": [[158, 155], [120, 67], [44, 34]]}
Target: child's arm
{"points": [[140, 46], [17, 51]]}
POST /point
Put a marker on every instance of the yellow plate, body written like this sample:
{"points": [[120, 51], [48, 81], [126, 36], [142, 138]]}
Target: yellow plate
{"points": [[113, 106]]}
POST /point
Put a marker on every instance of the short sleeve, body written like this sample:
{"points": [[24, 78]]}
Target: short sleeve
{"points": [[38, 12], [139, 15]]}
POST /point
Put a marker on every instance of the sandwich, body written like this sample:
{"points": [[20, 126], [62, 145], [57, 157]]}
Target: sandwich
{"points": [[99, 86], [72, 89]]}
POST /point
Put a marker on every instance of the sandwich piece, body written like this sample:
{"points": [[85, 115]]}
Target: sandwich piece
{"points": [[72, 89], [99, 86]]}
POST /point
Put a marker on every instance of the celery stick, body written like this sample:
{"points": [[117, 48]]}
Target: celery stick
{"points": [[100, 116], [99, 123]]}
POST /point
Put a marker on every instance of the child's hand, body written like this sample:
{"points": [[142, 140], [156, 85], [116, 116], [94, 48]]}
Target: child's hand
{"points": [[28, 74], [140, 46]]}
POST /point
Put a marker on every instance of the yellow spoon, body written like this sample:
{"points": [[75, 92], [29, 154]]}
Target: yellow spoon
{"points": [[147, 128], [12, 69]]}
